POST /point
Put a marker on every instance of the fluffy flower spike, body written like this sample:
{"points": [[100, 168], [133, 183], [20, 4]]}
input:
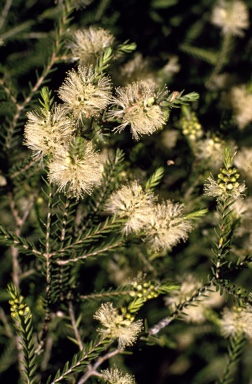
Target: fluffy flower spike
{"points": [[76, 169], [88, 44], [132, 202], [114, 376], [135, 105], [46, 131], [117, 326], [85, 93], [231, 16]]}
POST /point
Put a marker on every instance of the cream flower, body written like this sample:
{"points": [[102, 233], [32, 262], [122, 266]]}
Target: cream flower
{"points": [[167, 226], [243, 161], [211, 149], [231, 16], [85, 93], [135, 106], [88, 44], [237, 320], [114, 376], [222, 191], [132, 202], [135, 70], [241, 100], [45, 131], [76, 172], [117, 326]]}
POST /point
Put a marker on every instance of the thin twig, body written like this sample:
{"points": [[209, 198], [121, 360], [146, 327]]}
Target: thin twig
{"points": [[75, 328], [92, 369]]}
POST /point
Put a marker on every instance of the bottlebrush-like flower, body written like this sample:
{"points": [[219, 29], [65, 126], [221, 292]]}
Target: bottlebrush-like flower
{"points": [[117, 326], [88, 44], [132, 202], [135, 105], [241, 100], [237, 320], [231, 16], [85, 93], [115, 376], [167, 226], [211, 149], [224, 189], [243, 161], [76, 169], [46, 131]]}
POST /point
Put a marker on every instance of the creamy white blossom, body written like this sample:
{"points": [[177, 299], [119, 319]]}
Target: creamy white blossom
{"points": [[237, 320], [76, 174], [117, 326], [210, 149], [167, 226], [115, 376], [231, 16], [132, 202], [85, 93], [88, 44], [241, 101], [135, 105], [222, 192], [243, 161], [46, 131]]}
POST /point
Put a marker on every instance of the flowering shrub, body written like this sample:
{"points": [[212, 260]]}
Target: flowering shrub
{"points": [[125, 176]]}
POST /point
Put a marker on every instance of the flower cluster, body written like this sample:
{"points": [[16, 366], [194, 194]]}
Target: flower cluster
{"points": [[241, 101], [84, 93], [135, 105], [163, 225], [117, 326], [87, 44], [227, 185], [168, 226], [190, 124], [237, 320], [132, 202], [115, 376], [231, 16], [76, 172], [46, 131]]}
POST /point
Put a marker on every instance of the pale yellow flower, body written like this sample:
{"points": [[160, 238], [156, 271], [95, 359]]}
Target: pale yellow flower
{"points": [[117, 326], [231, 16], [76, 173], [115, 376], [88, 44], [135, 105], [85, 93], [237, 320], [241, 101], [167, 226], [132, 202], [45, 131]]}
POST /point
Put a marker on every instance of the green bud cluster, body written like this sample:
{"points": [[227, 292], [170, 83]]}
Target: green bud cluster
{"points": [[190, 126], [19, 308], [227, 179], [145, 290]]}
